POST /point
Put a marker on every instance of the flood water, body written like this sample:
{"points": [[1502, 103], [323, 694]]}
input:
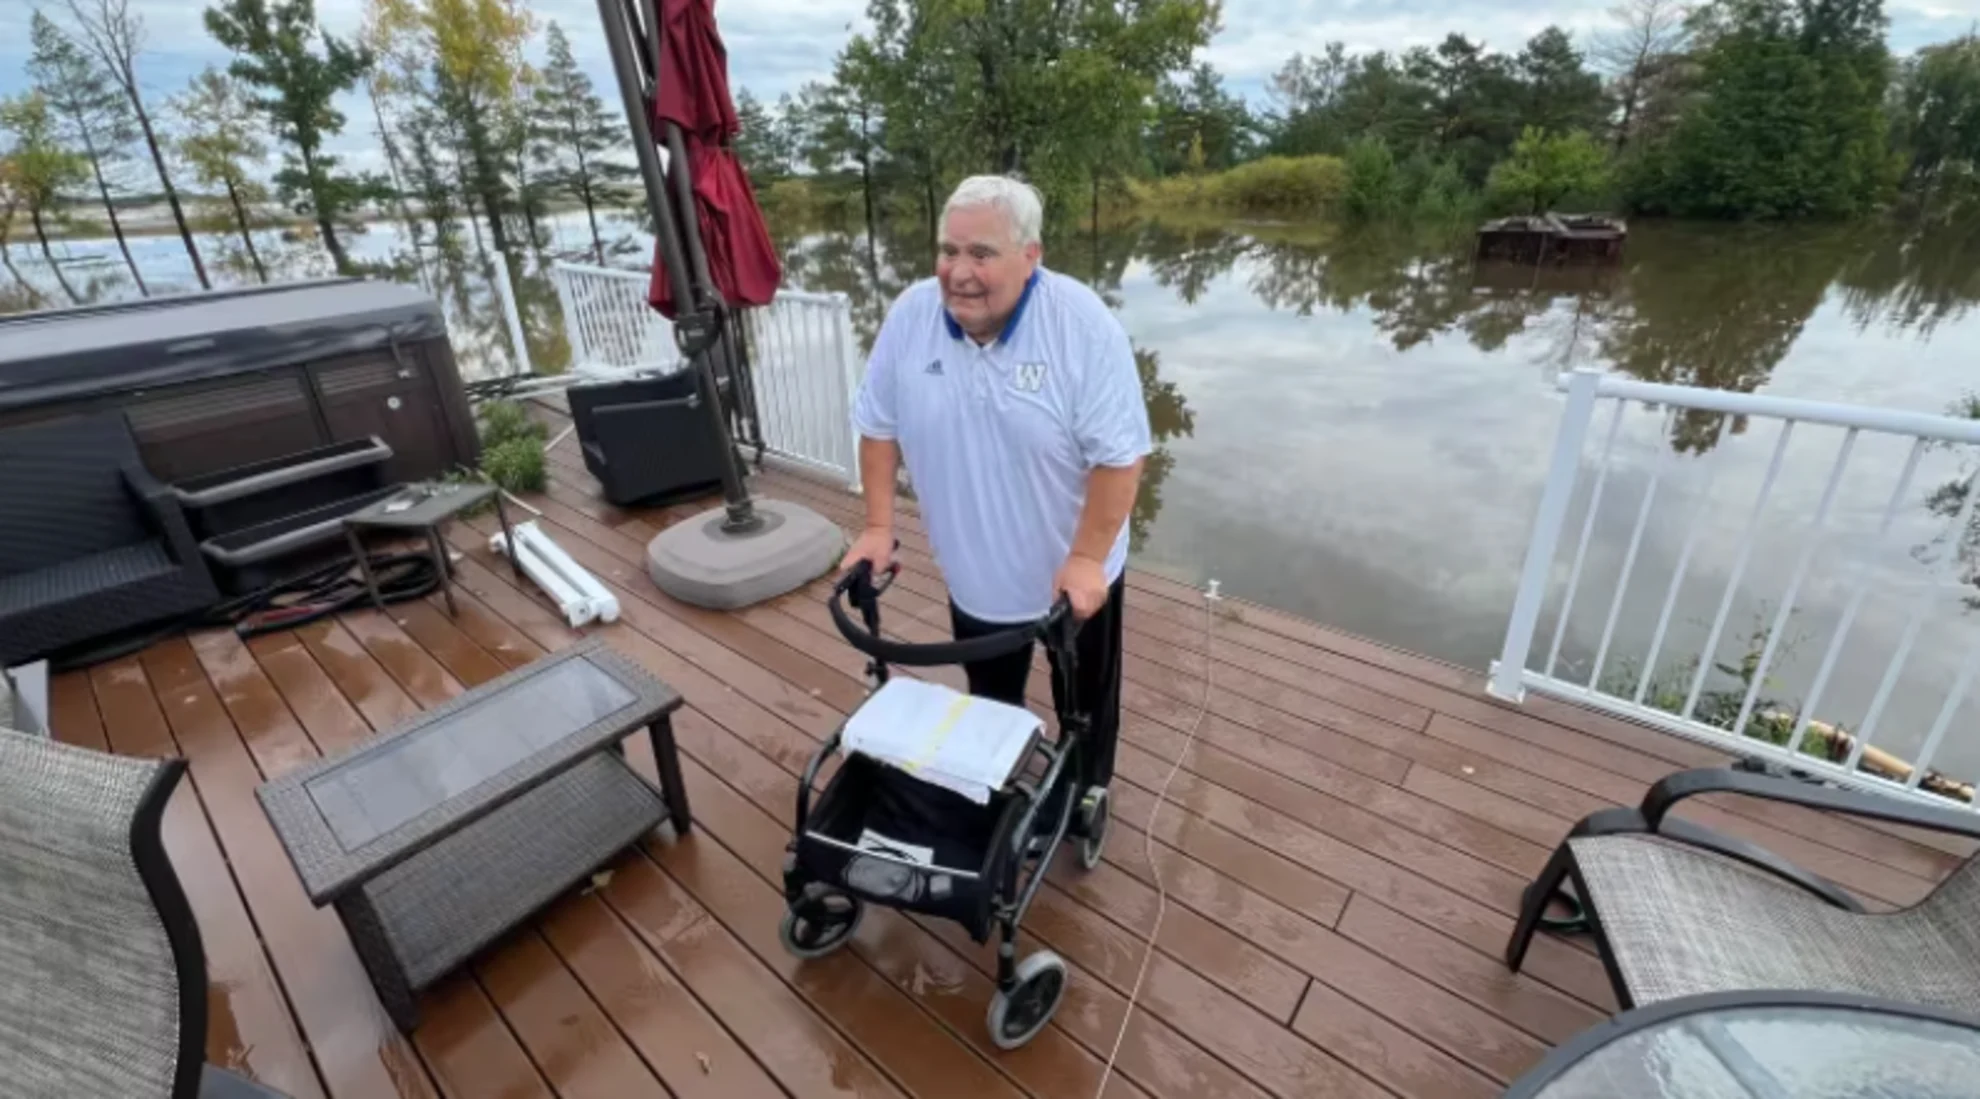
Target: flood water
{"points": [[1355, 426]]}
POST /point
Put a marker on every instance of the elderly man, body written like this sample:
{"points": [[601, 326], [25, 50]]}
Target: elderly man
{"points": [[1011, 391]]}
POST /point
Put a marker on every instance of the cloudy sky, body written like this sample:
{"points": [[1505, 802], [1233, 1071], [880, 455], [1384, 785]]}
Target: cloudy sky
{"points": [[778, 45]]}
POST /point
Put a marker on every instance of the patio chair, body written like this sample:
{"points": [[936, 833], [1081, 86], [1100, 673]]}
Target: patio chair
{"points": [[102, 976], [1677, 909], [90, 544]]}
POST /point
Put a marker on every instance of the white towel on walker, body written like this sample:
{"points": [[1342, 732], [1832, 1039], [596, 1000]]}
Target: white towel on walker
{"points": [[956, 741]]}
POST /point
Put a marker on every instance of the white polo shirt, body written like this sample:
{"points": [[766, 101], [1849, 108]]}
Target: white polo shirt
{"points": [[999, 440]]}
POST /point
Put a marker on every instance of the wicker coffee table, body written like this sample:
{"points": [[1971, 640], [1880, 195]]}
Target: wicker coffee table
{"points": [[435, 838]]}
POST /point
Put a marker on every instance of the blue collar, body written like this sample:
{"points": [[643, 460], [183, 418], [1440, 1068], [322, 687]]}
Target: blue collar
{"points": [[1010, 325]]}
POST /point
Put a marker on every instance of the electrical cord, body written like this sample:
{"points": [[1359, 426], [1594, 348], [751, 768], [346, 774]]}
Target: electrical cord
{"points": [[1210, 600], [284, 605], [325, 591]]}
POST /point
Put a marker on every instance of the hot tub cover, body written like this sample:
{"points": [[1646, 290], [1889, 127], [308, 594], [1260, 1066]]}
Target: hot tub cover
{"points": [[67, 354]]}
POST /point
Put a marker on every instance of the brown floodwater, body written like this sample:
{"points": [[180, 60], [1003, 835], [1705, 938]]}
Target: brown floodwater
{"points": [[1355, 426]]}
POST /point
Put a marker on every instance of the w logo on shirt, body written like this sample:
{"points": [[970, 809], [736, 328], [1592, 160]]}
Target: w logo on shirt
{"points": [[1029, 377]]}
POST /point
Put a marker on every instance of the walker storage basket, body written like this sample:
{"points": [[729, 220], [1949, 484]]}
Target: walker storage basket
{"points": [[968, 846]]}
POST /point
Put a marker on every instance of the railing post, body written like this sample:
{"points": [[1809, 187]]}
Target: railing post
{"points": [[512, 314], [560, 276], [1508, 674], [849, 363]]}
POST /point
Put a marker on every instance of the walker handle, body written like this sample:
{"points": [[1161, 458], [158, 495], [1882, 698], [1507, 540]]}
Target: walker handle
{"points": [[858, 582]]}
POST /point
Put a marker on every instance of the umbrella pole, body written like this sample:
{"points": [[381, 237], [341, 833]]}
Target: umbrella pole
{"points": [[669, 232]]}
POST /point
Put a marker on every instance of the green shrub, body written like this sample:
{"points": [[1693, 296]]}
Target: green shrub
{"points": [[1274, 185], [1175, 192], [515, 464], [1283, 185], [1438, 192], [502, 421], [1545, 168], [1374, 186]]}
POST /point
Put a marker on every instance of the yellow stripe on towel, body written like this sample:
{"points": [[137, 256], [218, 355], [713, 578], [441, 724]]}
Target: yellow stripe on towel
{"points": [[939, 735]]}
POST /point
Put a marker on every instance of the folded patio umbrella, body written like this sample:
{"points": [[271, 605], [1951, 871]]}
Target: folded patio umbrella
{"points": [[692, 94]]}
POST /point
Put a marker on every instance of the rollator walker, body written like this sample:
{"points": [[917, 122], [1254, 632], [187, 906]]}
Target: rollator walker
{"points": [[944, 855]]}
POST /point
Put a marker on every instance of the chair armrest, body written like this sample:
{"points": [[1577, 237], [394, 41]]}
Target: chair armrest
{"points": [[1716, 780], [1758, 857], [163, 512], [1611, 822]]}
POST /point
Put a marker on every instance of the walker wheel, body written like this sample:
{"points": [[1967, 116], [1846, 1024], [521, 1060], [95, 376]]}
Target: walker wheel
{"points": [[1016, 1017], [1095, 814], [816, 926]]}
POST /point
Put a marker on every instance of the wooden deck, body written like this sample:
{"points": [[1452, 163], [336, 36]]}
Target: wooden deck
{"points": [[1345, 853]]}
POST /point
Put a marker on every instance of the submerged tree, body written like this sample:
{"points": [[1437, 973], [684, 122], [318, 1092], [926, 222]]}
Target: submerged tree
{"points": [[1197, 125], [466, 59], [219, 143], [575, 136], [1545, 168], [1786, 118], [42, 170], [1937, 111], [1640, 53], [514, 130], [272, 41], [12, 198], [116, 36], [94, 114]]}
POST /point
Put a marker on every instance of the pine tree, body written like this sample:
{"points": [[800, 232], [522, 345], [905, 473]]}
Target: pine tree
{"points": [[272, 42], [219, 143], [756, 143], [466, 59], [116, 36], [12, 198], [42, 169], [575, 134], [93, 113]]}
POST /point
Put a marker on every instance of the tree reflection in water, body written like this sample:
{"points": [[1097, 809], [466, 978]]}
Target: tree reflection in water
{"points": [[1712, 306]]}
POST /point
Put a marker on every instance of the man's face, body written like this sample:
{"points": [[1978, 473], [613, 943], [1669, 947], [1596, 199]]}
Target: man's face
{"points": [[982, 268]]}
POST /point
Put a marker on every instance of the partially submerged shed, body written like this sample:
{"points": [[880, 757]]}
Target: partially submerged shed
{"points": [[1553, 238]]}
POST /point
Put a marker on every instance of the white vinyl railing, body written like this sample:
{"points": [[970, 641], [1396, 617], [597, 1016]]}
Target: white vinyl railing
{"points": [[1597, 403], [804, 366], [608, 322]]}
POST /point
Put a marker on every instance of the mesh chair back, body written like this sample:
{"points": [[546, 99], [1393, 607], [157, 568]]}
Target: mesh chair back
{"points": [[1953, 910], [102, 982]]}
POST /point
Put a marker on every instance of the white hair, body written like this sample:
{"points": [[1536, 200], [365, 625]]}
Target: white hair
{"points": [[1017, 199]]}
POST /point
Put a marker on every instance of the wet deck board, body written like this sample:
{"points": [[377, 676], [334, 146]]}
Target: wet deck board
{"points": [[1342, 849]]}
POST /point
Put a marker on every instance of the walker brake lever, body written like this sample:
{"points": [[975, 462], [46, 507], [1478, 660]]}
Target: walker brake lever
{"points": [[887, 575]]}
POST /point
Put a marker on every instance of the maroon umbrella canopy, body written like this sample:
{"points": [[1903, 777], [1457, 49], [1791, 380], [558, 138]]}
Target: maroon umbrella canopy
{"points": [[693, 94]]}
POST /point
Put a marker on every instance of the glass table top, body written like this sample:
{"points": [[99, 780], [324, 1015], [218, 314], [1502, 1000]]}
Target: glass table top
{"points": [[395, 781], [1781, 1052]]}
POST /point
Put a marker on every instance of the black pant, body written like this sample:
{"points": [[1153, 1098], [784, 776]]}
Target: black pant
{"points": [[1096, 679]]}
